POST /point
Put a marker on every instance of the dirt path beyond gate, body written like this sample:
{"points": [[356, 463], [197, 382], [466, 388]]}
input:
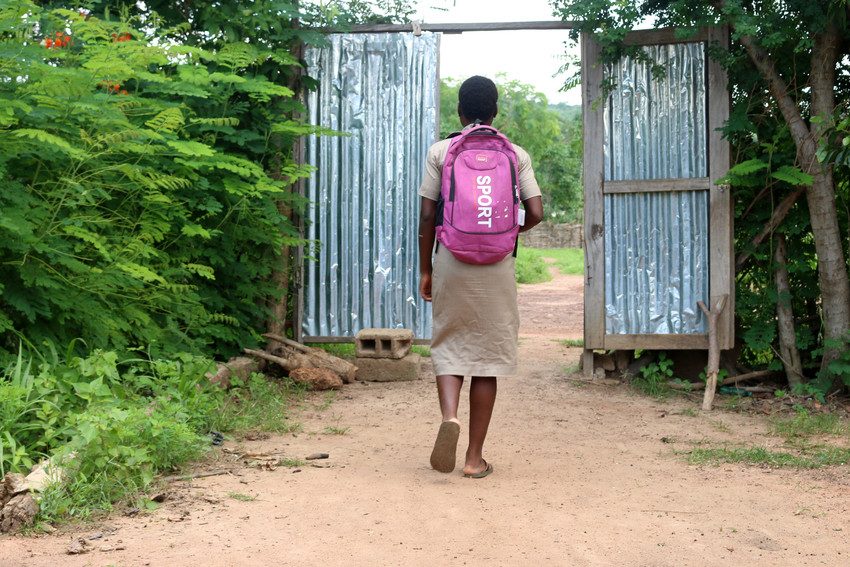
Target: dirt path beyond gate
{"points": [[585, 474]]}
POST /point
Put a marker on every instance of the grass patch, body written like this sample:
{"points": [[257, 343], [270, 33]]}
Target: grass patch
{"points": [[530, 267], [259, 404], [805, 424], [346, 350], [421, 350], [291, 463], [571, 369], [690, 412], [569, 261], [342, 350], [572, 343], [241, 497], [810, 459], [334, 430], [327, 399]]}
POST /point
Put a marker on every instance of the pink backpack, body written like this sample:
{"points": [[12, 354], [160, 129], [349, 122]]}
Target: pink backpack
{"points": [[479, 197]]}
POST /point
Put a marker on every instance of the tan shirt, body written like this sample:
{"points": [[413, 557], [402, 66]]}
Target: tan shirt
{"points": [[430, 187]]}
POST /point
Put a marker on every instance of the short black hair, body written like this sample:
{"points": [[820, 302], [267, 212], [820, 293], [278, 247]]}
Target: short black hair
{"points": [[478, 99]]}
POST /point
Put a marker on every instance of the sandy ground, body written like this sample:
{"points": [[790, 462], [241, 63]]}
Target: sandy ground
{"points": [[585, 474]]}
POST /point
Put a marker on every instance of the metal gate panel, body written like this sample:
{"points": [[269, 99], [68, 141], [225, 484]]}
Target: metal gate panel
{"points": [[381, 91], [656, 243], [658, 229]]}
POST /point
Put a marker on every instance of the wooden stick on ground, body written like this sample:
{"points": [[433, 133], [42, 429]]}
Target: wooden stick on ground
{"points": [[725, 382], [713, 351], [317, 358], [285, 363], [197, 475]]}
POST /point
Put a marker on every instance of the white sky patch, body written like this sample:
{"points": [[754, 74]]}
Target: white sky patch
{"points": [[531, 57]]}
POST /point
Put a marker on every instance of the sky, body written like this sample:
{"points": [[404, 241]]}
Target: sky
{"points": [[531, 57]]}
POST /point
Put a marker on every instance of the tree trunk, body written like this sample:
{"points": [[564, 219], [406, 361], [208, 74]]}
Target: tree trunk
{"points": [[277, 321], [832, 268], [785, 317]]}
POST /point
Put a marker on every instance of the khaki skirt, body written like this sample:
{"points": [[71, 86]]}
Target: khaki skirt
{"points": [[476, 320]]}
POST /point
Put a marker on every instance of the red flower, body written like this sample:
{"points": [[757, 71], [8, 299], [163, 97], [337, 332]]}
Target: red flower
{"points": [[48, 43]]}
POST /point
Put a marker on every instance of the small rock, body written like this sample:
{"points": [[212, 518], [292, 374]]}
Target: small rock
{"points": [[241, 367], [316, 456], [13, 483], [18, 512], [94, 536], [78, 547], [117, 547], [296, 470], [159, 498]]}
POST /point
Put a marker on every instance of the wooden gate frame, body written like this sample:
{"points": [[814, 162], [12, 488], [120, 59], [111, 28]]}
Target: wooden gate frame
{"points": [[721, 254]]}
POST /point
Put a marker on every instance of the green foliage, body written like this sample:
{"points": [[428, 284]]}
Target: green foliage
{"points": [[140, 184], [114, 424], [654, 377], [552, 135], [840, 367], [530, 267]]}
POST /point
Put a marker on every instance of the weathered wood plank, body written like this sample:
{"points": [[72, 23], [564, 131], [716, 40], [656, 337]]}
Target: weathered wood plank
{"points": [[657, 185], [656, 342], [457, 27], [594, 249], [721, 252]]}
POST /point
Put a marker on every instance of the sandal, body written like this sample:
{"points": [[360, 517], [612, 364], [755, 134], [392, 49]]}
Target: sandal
{"points": [[488, 468], [445, 447]]}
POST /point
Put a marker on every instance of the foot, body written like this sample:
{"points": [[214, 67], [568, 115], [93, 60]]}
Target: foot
{"points": [[445, 446], [479, 470]]}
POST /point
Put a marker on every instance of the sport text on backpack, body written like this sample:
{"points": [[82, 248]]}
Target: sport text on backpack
{"points": [[479, 198]]}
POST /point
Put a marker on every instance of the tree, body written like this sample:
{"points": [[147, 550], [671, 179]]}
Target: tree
{"points": [[791, 55], [551, 136]]}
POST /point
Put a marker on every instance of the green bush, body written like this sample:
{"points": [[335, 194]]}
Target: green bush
{"points": [[115, 424], [136, 209], [530, 267]]}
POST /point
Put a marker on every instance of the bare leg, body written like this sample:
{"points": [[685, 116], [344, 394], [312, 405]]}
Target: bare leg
{"points": [[448, 388], [482, 397]]}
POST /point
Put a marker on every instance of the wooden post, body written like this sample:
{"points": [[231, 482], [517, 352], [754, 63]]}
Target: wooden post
{"points": [[713, 351]]}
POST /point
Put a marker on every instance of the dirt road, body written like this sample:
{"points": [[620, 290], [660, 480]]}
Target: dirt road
{"points": [[582, 477]]}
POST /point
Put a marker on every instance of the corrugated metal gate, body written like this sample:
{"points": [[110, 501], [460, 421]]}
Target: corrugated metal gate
{"points": [[658, 229], [382, 91]]}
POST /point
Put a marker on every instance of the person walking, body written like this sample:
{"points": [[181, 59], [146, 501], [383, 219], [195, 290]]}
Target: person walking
{"points": [[475, 316]]}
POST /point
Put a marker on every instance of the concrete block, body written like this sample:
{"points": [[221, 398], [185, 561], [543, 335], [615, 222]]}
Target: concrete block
{"points": [[383, 343], [388, 369]]}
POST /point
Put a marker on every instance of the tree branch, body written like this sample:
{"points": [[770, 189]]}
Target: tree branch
{"points": [[776, 219], [779, 89]]}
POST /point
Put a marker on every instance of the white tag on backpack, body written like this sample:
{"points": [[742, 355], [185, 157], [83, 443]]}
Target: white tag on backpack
{"points": [[521, 217]]}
